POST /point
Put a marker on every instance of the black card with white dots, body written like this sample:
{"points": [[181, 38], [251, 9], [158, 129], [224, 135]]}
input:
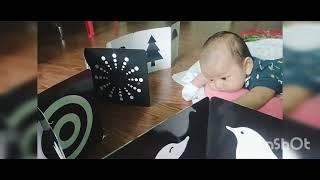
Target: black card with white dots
{"points": [[119, 75]]}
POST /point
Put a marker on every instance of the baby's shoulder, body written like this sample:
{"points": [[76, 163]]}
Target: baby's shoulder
{"points": [[267, 73], [267, 64]]}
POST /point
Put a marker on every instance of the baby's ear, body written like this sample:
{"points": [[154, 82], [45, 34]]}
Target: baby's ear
{"points": [[248, 65]]}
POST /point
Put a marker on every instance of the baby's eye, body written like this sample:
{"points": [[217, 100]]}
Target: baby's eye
{"points": [[211, 79], [224, 78]]}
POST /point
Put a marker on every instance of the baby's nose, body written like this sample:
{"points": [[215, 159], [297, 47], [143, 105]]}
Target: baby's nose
{"points": [[218, 85], [212, 85]]}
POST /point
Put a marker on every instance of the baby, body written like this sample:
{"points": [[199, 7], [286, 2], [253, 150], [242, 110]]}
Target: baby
{"points": [[227, 65]]}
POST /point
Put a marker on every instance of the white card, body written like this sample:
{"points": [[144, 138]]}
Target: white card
{"points": [[122, 42], [175, 36], [157, 43]]}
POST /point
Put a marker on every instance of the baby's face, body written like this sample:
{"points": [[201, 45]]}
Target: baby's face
{"points": [[223, 71]]}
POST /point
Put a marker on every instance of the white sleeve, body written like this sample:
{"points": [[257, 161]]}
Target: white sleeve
{"points": [[189, 91]]}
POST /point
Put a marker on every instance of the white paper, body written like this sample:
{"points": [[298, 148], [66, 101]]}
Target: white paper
{"points": [[175, 36]]}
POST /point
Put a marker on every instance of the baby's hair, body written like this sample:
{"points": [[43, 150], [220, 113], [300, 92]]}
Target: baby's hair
{"points": [[235, 42]]}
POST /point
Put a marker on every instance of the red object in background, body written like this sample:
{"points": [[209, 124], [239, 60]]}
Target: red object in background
{"points": [[90, 28], [272, 33], [116, 26]]}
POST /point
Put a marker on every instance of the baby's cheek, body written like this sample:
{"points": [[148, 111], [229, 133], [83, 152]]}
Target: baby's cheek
{"points": [[241, 84], [236, 85]]}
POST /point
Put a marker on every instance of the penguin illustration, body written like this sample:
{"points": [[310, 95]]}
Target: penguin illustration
{"points": [[251, 145], [173, 150]]}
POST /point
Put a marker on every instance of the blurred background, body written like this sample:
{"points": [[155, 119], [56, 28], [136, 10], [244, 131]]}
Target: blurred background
{"points": [[18, 98], [302, 72]]}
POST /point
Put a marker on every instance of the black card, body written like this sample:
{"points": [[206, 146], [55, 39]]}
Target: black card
{"points": [[237, 132], [119, 75], [69, 108], [182, 136], [200, 132], [219, 129]]}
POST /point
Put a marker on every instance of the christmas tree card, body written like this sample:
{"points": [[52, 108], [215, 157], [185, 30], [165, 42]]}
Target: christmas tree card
{"points": [[161, 45]]}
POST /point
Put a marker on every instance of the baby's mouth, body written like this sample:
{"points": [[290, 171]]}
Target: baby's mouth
{"points": [[223, 90], [216, 89]]}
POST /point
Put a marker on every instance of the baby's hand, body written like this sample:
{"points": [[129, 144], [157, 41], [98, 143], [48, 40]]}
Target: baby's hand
{"points": [[189, 91]]}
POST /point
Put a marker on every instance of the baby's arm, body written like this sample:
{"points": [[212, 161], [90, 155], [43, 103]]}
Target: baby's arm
{"points": [[256, 97], [199, 81], [190, 90]]}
